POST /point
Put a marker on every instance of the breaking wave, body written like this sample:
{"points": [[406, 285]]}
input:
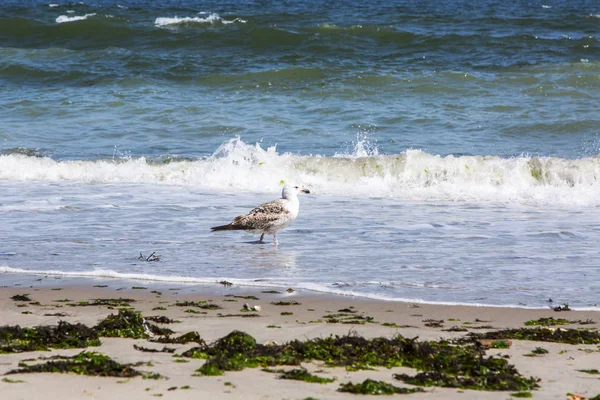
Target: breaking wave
{"points": [[411, 175]]}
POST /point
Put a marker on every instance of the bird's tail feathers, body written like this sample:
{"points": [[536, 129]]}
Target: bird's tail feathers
{"points": [[228, 227]]}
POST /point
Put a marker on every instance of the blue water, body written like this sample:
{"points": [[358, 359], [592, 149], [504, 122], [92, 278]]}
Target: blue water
{"points": [[451, 147]]}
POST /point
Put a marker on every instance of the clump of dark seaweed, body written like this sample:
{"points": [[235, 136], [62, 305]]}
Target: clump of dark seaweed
{"points": [[301, 374], [455, 329], [434, 323], [14, 339], [243, 297], [85, 363], [21, 297], [183, 339], [249, 315], [126, 324], [285, 303], [148, 350], [200, 304], [120, 302], [569, 336], [157, 330], [508, 379], [463, 364], [370, 386], [161, 319]]}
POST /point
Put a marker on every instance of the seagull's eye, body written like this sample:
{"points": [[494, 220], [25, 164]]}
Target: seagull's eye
{"points": [[296, 187]]}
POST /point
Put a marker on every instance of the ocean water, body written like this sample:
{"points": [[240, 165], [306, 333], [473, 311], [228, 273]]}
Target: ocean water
{"points": [[452, 148]]}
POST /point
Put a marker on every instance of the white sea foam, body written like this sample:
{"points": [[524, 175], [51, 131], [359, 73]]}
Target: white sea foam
{"points": [[65, 18], [411, 175], [212, 18]]}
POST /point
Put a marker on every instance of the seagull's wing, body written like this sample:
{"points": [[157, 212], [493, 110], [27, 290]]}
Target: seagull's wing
{"points": [[262, 216]]}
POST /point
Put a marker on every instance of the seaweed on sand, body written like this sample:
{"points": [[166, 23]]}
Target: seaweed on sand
{"points": [[370, 386], [129, 324], [183, 339], [126, 324], [451, 365], [119, 302], [85, 363], [21, 297], [548, 321], [568, 336], [200, 304], [301, 374], [14, 339]]}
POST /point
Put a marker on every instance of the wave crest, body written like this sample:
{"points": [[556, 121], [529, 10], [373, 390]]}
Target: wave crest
{"points": [[211, 19], [411, 175]]}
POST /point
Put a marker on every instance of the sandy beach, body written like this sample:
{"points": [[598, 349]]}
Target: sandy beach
{"points": [[558, 370]]}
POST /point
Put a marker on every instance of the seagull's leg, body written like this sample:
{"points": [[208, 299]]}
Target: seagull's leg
{"points": [[275, 241], [261, 238]]}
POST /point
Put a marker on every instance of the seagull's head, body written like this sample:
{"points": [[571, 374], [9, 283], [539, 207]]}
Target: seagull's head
{"points": [[290, 191]]}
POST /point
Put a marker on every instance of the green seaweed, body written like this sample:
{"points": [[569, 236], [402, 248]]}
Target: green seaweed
{"points": [[286, 313], [500, 344], [522, 395], [120, 302], [569, 336], [539, 350], [444, 363], [126, 324], [271, 292], [301, 374], [590, 371], [200, 304], [14, 339], [550, 321], [210, 369], [8, 380], [370, 386], [84, 363]]}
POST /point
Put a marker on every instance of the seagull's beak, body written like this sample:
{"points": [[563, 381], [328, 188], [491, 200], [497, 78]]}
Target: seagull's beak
{"points": [[305, 191]]}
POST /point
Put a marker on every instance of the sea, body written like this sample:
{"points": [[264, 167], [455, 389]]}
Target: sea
{"points": [[452, 148]]}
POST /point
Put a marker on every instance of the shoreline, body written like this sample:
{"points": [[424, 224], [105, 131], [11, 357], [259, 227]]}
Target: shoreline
{"points": [[559, 369], [39, 279]]}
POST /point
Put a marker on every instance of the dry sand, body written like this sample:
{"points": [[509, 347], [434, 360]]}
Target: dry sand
{"points": [[558, 370]]}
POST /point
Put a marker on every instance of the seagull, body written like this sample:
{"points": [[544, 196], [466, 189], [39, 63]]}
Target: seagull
{"points": [[269, 217]]}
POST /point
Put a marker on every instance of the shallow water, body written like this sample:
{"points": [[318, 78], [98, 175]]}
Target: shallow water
{"points": [[451, 149]]}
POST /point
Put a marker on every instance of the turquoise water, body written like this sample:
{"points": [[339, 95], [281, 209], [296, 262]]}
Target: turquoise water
{"points": [[451, 148]]}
